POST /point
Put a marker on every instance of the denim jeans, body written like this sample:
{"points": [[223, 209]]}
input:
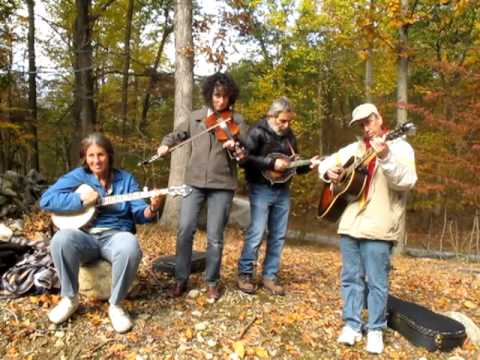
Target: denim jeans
{"points": [[269, 207], [71, 247], [219, 203], [360, 258]]}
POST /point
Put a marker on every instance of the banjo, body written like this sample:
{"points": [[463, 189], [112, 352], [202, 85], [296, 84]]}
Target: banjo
{"points": [[78, 219]]}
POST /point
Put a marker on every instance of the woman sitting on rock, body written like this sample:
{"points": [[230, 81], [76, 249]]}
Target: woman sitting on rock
{"points": [[109, 235]]}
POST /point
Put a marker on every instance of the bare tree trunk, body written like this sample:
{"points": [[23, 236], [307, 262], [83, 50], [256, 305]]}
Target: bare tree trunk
{"points": [[151, 82], [33, 161], [369, 61], [84, 105], [126, 66], [183, 99], [402, 97], [369, 74]]}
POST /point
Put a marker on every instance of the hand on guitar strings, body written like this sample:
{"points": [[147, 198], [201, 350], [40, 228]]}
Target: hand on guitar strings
{"points": [[89, 198], [380, 146], [335, 174], [315, 161], [281, 164]]}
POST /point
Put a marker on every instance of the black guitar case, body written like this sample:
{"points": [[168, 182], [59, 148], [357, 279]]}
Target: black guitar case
{"points": [[166, 264], [423, 327]]}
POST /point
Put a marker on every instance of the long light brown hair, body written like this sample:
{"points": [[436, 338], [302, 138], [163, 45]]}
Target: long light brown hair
{"points": [[100, 140]]}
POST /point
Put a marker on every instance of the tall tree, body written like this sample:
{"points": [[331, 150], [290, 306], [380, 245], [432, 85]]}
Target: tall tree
{"points": [[402, 81], [126, 65], [84, 105], [33, 160], [167, 30], [183, 98]]}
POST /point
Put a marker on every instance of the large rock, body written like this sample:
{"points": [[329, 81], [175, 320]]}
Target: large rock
{"points": [[5, 232], [472, 330], [95, 280]]}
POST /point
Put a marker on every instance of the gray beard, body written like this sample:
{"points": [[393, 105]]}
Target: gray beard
{"points": [[276, 130]]}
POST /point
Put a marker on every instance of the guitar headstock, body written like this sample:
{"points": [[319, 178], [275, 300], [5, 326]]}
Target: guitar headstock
{"points": [[407, 128], [181, 190]]}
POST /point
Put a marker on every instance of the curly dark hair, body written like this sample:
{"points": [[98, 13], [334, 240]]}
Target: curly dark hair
{"points": [[224, 81]]}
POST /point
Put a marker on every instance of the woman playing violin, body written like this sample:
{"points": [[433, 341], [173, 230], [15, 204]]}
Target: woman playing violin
{"points": [[212, 173]]}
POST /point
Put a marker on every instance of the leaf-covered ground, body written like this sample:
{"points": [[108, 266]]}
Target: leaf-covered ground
{"points": [[303, 324]]}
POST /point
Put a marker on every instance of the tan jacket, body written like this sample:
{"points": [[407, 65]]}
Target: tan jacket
{"points": [[382, 215], [209, 165]]}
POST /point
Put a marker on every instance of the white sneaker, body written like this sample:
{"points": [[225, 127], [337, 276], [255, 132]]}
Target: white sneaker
{"points": [[375, 342], [64, 309], [349, 336], [121, 322]]}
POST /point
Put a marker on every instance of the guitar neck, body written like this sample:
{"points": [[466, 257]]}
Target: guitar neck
{"points": [[298, 163], [115, 199]]}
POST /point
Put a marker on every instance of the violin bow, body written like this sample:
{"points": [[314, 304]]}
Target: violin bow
{"points": [[190, 139]]}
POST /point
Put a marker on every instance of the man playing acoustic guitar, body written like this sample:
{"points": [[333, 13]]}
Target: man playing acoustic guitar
{"points": [[271, 145], [370, 225]]}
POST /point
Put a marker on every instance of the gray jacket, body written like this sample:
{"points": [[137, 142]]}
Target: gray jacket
{"points": [[209, 165]]}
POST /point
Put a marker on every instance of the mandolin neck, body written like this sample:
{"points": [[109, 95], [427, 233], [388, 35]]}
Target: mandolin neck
{"points": [[298, 163]]}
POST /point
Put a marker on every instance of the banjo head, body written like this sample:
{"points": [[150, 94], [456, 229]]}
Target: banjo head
{"points": [[77, 219]]}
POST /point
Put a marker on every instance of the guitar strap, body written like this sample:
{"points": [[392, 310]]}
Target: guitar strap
{"points": [[291, 149]]}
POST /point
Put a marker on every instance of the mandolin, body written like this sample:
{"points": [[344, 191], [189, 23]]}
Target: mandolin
{"points": [[280, 177], [81, 218], [336, 197]]}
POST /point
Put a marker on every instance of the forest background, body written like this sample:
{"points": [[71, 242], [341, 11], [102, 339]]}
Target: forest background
{"points": [[105, 65]]}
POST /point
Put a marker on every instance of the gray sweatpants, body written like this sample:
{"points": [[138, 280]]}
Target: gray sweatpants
{"points": [[70, 248]]}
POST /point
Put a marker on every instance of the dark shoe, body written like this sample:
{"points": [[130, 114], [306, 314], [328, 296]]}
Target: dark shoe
{"points": [[273, 287], [177, 289], [245, 283], [213, 293]]}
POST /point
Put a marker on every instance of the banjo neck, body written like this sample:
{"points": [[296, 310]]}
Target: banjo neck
{"points": [[115, 199]]}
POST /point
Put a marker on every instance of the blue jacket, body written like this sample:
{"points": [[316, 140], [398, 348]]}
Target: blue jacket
{"points": [[60, 197]]}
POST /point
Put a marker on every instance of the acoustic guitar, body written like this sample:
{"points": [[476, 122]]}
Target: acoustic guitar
{"points": [[280, 177], [81, 218], [336, 197]]}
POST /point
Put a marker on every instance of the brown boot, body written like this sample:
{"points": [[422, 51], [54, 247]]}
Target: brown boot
{"points": [[245, 283], [213, 293], [273, 287], [177, 289]]}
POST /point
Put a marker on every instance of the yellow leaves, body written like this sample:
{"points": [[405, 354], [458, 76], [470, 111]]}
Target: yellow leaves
{"points": [[470, 304], [239, 349], [363, 55], [188, 334], [94, 318], [261, 353]]}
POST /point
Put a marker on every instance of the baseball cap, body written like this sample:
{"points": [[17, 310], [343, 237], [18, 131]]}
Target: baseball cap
{"points": [[362, 112]]}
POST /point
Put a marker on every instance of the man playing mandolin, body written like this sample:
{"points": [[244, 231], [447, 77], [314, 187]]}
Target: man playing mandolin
{"points": [[271, 147], [212, 173], [371, 224], [110, 235]]}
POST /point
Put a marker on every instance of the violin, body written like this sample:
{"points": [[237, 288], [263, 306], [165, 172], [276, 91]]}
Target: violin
{"points": [[226, 129]]}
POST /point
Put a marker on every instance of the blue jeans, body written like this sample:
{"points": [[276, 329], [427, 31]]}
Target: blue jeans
{"points": [[219, 203], [71, 247], [360, 258], [269, 207]]}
